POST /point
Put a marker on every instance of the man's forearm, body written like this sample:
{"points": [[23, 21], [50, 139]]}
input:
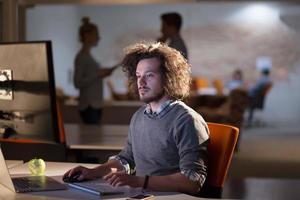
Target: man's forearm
{"points": [[105, 168], [175, 182]]}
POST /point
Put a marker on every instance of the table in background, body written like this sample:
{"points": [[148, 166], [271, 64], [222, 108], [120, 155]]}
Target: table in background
{"points": [[113, 112], [96, 137], [94, 143]]}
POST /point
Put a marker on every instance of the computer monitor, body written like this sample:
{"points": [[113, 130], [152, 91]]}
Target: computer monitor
{"points": [[27, 91]]}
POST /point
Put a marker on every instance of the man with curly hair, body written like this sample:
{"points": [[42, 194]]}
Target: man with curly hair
{"points": [[167, 140]]}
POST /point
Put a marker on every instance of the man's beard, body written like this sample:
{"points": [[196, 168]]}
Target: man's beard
{"points": [[155, 98]]}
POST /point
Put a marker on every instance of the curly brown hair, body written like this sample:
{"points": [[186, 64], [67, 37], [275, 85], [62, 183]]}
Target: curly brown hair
{"points": [[175, 69]]}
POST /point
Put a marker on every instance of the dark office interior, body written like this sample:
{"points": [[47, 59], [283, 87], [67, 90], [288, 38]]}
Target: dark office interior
{"points": [[37, 92]]}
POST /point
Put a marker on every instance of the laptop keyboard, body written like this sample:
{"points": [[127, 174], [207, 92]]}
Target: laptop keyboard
{"points": [[100, 184], [24, 184], [36, 183]]}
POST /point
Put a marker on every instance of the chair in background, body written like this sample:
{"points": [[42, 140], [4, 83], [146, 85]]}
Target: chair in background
{"points": [[198, 83], [114, 94], [127, 96], [229, 110], [60, 123], [201, 82], [218, 85], [223, 139], [257, 102]]}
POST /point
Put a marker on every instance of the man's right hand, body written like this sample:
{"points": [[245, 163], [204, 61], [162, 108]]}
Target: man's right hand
{"points": [[81, 172]]}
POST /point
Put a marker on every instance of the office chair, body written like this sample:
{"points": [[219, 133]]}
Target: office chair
{"points": [[201, 82], [60, 123], [223, 139], [257, 101], [218, 85]]}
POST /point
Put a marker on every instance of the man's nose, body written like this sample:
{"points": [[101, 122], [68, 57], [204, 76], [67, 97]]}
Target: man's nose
{"points": [[141, 81]]}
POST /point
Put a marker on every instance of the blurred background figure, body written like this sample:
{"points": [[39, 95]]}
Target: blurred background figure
{"points": [[89, 74], [258, 92], [170, 28], [260, 83], [236, 81]]}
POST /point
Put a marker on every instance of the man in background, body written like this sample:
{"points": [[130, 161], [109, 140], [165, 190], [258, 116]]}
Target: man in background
{"points": [[258, 92], [170, 29]]}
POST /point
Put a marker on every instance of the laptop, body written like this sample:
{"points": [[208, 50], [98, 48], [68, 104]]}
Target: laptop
{"points": [[29, 183], [98, 187]]}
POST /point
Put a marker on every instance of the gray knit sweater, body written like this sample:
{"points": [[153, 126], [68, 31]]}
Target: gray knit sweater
{"points": [[173, 141]]}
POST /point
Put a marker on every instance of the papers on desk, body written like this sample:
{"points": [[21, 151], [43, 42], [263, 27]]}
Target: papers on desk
{"points": [[97, 187], [207, 91]]}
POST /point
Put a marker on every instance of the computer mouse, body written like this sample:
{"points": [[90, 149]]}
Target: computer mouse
{"points": [[72, 179]]}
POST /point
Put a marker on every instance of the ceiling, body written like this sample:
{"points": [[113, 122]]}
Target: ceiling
{"points": [[112, 2]]}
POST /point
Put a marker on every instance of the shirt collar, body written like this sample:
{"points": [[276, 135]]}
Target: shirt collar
{"points": [[165, 105]]}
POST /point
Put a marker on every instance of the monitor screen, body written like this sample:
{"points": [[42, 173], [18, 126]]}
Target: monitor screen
{"points": [[27, 91]]}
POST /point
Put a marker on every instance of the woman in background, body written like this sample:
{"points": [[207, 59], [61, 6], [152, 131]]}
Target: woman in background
{"points": [[89, 74]]}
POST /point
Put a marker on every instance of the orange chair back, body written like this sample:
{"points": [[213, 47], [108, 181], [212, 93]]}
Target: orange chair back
{"points": [[218, 85], [60, 122], [223, 139], [201, 82]]}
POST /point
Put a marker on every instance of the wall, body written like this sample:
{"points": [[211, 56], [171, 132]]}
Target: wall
{"points": [[220, 37], [1, 25]]}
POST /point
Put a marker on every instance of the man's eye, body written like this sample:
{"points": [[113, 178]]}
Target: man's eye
{"points": [[149, 75]]}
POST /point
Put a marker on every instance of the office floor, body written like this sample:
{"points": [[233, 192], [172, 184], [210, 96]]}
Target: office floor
{"points": [[266, 165]]}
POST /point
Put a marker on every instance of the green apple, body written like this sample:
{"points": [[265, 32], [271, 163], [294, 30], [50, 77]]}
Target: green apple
{"points": [[37, 166]]}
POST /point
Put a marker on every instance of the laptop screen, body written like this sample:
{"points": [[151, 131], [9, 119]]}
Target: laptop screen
{"points": [[27, 91], [5, 179]]}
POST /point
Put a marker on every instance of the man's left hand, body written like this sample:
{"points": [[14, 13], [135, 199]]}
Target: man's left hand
{"points": [[121, 179]]}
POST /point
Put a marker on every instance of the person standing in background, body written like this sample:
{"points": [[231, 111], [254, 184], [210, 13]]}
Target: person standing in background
{"points": [[89, 74], [170, 29]]}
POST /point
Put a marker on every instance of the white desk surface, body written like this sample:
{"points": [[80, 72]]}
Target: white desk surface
{"points": [[96, 137], [56, 169], [13, 163]]}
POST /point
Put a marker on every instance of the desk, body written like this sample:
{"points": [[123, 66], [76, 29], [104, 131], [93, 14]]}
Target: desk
{"points": [[95, 137], [13, 163], [124, 110], [56, 170]]}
